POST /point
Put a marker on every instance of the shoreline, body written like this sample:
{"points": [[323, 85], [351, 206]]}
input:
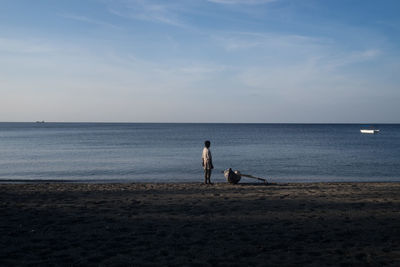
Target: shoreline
{"points": [[199, 181], [111, 224]]}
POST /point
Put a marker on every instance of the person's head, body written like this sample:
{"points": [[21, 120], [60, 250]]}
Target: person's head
{"points": [[207, 144]]}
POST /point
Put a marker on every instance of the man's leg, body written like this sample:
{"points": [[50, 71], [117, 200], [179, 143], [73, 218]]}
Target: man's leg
{"points": [[209, 176], [205, 176]]}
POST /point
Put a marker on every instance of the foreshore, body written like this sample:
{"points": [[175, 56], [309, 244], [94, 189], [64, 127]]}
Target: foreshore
{"points": [[190, 224]]}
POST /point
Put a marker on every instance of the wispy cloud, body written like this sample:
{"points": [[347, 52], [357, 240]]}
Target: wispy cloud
{"points": [[89, 20], [232, 41], [26, 46], [294, 48], [163, 12], [242, 2], [348, 58]]}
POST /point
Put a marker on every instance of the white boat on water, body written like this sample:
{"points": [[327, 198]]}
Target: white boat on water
{"points": [[369, 131]]}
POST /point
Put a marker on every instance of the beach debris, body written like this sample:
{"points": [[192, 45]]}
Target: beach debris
{"points": [[233, 177]]}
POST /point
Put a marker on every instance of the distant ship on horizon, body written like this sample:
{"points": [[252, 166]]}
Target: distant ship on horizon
{"points": [[39, 121]]}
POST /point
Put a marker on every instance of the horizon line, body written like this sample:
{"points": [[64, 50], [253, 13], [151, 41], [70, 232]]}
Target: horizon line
{"points": [[149, 122]]}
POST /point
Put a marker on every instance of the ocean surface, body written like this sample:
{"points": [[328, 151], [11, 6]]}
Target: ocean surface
{"points": [[153, 152]]}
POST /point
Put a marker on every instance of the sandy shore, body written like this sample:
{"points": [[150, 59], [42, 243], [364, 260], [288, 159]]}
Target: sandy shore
{"points": [[324, 224]]}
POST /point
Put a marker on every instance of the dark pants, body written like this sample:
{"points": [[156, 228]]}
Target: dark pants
{"points": [[207, 176]]}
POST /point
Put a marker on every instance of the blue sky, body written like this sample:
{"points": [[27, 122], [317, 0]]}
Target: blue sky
{"points": [[200, 61]]}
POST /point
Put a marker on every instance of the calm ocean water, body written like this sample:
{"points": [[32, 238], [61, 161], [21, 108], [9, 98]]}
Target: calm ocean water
{"points": [[172, 152]]}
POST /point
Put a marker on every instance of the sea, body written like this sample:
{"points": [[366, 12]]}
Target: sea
{"points": [[171, 152]]}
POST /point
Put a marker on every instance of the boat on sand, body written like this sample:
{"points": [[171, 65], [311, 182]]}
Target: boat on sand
{"points": [[233, 177]]}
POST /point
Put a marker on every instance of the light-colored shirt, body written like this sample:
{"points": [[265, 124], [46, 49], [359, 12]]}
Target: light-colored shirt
{"points": [[207, 158]]}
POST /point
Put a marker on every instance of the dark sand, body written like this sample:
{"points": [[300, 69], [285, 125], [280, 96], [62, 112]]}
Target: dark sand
{"points": [[324, 224]]}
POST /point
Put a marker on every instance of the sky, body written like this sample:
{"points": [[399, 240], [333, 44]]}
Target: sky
{"points": [[245, 61]]}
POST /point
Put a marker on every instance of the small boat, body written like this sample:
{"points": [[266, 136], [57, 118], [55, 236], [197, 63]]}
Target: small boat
{"points": [[369, 130], [232, 177]]}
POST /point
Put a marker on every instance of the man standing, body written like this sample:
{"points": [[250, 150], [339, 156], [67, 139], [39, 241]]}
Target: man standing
{"points": [[207, 162]]}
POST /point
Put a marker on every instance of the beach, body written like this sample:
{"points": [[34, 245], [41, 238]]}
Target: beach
{"points": [[191, 224]]}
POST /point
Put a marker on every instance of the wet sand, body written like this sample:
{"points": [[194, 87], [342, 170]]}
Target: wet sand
{"points": [[318, 224]]}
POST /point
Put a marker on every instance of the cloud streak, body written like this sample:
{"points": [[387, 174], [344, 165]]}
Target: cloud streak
{"points": [[89, 20], [241, 2], [233, 41], [146, 11], [27, 46]]}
